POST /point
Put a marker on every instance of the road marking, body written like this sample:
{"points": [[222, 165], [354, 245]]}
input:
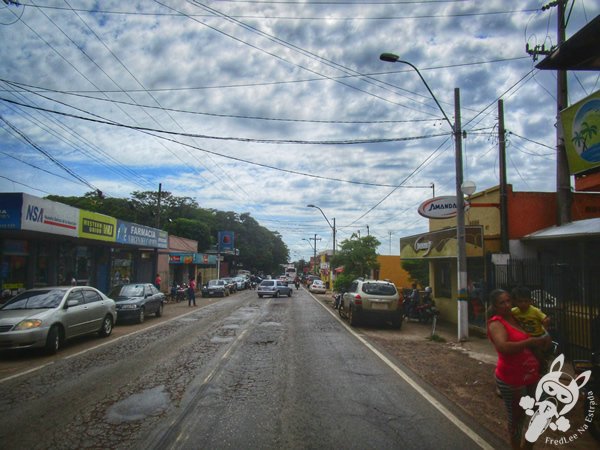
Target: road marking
{"points": [[426, 395], [113, 340]]}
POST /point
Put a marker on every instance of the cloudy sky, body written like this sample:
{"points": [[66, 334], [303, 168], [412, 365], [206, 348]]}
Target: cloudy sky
{"points": [[266, 106]]}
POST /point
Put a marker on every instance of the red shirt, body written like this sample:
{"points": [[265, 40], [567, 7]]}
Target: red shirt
{"points": [[517, 369]]}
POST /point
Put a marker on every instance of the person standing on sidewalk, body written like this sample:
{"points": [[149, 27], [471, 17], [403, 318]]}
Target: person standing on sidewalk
{"points": [[192, 292], [517, 369]]}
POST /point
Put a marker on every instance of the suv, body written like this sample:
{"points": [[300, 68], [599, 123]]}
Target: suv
{"points": [[274, 288], [373, 299]]}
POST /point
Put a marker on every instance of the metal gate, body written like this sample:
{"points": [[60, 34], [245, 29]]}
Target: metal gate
{"points": [[568, 293]]}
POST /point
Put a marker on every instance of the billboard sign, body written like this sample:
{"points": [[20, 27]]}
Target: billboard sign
{"points": [[47, 216], [140, 235], [581, 128], [440, 207], [97, 226], [226, 241], [441, 244], [11, 205]]}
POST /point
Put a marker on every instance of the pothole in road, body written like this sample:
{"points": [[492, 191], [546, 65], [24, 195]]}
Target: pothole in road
{"points": [[150, 402]]}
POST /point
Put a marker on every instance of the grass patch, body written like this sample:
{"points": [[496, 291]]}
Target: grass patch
{"points": [[436, 338]]}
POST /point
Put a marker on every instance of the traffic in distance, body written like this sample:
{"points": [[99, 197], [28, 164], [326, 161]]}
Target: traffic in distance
{"points": [[47, 317]]}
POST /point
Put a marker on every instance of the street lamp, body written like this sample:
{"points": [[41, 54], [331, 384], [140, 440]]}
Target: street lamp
{"points": [[328, 223], [461, 251]]}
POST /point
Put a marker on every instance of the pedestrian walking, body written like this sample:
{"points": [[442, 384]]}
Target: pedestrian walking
{"points": [[192, 292]]}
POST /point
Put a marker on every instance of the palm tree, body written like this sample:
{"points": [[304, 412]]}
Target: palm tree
{"points": [[588, 131], [578, 139]]}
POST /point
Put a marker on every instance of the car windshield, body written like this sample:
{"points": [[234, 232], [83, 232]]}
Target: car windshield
{"points": [[379, 289], [41, 299], [268, 283], [216, 283], [128, 290]]}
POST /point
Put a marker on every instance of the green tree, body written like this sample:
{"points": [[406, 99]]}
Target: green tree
{"points": [[358, 256], [418, 270]]}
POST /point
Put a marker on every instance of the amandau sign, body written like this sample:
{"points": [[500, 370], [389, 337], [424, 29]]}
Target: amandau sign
{"points": [[441, 244], [440, 207]]}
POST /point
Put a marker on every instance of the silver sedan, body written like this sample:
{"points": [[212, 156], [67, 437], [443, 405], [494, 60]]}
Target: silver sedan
{"points": [[47, 317]]}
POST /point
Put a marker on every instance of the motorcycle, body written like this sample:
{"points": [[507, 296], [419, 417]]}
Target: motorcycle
{"points": [[423, 312], [590, 392], [178, 293], [337, 300], [297, 284]]}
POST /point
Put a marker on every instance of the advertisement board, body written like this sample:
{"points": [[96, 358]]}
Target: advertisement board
{"points": [[581, 127], [11, 205], [140, 235], [97, 226], [47, 216], [441, 244]]}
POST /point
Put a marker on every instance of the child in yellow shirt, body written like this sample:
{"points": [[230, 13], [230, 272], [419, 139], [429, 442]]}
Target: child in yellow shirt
{"points": [[533, 321]]}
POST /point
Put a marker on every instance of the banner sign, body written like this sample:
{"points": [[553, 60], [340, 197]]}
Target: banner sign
{"points": [[47, 216], [581, 127], [140, 235], [11, 205], [226, 243], [192, 258], [441, 244]]}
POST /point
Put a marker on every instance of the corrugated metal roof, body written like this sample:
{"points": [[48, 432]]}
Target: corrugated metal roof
{"points": [[578, 229]]}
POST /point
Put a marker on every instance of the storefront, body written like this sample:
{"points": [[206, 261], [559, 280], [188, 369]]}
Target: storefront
{"points": [[440, 250], [46, 243]]}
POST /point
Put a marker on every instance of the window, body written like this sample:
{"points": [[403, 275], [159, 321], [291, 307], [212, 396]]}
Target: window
{"points": [[91, 296], [76, 295], [379, 289]]}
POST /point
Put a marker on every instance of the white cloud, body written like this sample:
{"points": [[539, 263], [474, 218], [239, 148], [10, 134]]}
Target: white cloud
{"points": [[305, 70]]}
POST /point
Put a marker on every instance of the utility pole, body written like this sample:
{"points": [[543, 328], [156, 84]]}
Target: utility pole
{"points": [[563, 178], [315, 239], [504, 246]]}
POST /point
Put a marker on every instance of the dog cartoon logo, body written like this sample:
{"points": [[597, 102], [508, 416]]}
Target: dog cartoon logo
{"points": [[553, 399]]}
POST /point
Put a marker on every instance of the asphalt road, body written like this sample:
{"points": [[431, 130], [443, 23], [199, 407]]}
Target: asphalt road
{"points": [[240, 372]]}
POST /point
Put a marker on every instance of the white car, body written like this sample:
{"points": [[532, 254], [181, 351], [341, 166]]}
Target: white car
{"points": [[317, 287]]}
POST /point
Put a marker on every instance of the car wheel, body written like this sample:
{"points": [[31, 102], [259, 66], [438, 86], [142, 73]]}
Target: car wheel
{"points": [[259, 295], [142, 315], [276, 294], [290, 293], [397, 322], [107, 326], [159, 311], [352, 317], [53, 340]]}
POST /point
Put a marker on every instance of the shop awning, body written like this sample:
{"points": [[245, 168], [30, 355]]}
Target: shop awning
{"points": [[580, 52]]}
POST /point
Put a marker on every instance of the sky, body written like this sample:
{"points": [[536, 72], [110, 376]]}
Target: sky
{"points": [[264, 107]]}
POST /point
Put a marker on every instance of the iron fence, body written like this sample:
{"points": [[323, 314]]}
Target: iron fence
{"points": [[569, 293]]}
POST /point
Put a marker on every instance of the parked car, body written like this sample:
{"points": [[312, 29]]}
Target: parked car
{"points": [[47, 317], [137, 300], [231, 284], [372, 299], [240, 283], [309, 279], [317, 287], [215, 288], [274, 288]]}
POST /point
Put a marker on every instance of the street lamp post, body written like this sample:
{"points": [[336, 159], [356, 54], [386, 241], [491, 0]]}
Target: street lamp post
{"points": [[333, 230], [328, 223], [462, 309]]}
